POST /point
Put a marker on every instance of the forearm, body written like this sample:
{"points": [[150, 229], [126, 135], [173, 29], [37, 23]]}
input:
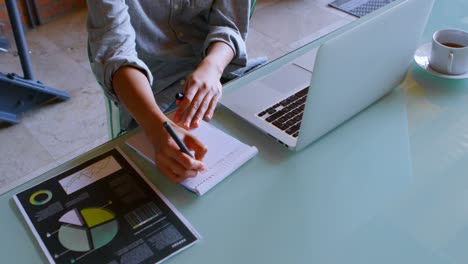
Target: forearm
{"points": [[218, 55], [134, 91]]}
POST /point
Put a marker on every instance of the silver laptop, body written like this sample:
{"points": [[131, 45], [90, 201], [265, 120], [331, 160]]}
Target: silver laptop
{"points": [[305, 99]]}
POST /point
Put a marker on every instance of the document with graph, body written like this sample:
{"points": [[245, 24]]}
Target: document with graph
{"points": [[104, 211]]}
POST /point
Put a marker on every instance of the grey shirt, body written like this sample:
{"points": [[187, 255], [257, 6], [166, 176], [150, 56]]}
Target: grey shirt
{"points": [[166, 39]]}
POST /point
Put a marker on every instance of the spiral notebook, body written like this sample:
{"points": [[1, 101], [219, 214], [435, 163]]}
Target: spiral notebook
{"points": [[225, 155]]}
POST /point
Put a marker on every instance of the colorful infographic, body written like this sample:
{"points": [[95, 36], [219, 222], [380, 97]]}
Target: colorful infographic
{"points": [[90, 228], [103, 211]]}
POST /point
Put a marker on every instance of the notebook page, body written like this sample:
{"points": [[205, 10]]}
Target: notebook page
{"points": [[218, 143], [225, 154], [218, 171]]}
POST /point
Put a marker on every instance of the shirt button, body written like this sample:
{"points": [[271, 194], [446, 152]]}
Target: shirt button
{"points": [[176, 6], [180, 34]]}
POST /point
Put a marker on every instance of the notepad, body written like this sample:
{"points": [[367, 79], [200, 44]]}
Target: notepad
{"points": [[225, 155]]}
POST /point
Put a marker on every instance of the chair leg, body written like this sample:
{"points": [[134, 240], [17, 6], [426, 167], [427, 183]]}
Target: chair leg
{"points": [[113, 119], [252, 7]]}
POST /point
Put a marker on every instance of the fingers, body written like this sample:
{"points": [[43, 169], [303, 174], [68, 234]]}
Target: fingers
{"points": [[173, 170], [190, 93], [169, 174], [176, 165], [184, 160], [196, 102], [207, 108], [209, 113], [195, 113], [196, 145], [199, 102]]}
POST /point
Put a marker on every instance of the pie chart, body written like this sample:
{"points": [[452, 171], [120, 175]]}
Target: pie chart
{"points": [[87, 229]]}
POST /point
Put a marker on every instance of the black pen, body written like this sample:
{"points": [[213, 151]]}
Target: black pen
{"points": [[179, 142]]}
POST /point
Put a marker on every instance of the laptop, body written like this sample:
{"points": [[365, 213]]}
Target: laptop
{"points": [[310, 96]]}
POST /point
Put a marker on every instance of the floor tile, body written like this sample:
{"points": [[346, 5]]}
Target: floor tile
{"points": [[74, 42], [23, 157], [298, 20], [259, 45], [65, 127], [83, 149], [319, 33]]}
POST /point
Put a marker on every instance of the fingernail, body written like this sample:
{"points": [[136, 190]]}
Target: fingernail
{"points": [[208, 117], [197, 123]]}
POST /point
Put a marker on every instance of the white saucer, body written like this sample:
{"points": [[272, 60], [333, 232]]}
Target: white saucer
{"points": [[421, 56]]}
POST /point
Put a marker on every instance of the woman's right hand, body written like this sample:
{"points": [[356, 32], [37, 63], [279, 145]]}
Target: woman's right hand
{"points": [[134, 91], [170, 160]]}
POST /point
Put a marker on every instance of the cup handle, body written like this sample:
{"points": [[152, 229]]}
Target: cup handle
{"points": [[450, 64]]}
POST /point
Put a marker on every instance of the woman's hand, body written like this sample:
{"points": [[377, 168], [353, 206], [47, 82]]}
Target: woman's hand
{"points": [[203, 86], [202, 92], [170, 160], [133, 89]]}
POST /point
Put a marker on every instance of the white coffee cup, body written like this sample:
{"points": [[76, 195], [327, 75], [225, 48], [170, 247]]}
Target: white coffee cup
{"points": [[449, 53]]}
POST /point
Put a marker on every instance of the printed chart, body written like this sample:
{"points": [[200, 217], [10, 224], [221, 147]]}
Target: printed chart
{"points": [[89, 175], [103, 211], [88, 229]]}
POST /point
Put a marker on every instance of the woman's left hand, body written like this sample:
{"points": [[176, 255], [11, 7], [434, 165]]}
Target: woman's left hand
{"points": [[202, 92]]}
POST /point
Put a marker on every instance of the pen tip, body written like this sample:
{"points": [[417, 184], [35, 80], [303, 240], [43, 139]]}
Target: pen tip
{"points": [[179, 96]]}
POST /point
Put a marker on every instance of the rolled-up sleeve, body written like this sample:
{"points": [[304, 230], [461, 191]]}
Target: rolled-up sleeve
{"points": [[229, 23], [111, 40]]}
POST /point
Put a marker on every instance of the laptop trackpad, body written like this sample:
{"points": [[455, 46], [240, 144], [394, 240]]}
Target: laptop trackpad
{"points": [[288, 78]]}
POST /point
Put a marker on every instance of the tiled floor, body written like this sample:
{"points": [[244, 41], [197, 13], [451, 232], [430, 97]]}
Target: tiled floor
{"points": [[56, 133]]}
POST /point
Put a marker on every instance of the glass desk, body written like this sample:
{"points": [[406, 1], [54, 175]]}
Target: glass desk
{"points": [[352, 197]]}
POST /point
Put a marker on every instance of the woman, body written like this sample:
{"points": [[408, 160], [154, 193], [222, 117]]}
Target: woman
{"points": [[143, 52]]}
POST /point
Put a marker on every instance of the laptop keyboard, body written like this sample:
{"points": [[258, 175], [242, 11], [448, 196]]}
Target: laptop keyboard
{"points": [[287, 114]]}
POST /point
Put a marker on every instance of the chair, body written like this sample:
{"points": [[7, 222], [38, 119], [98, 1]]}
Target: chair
{"points": [[113, 111]]}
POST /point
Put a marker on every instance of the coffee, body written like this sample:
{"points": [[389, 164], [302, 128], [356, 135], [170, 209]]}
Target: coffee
{"points": [[452, 45], [449, 52]]}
